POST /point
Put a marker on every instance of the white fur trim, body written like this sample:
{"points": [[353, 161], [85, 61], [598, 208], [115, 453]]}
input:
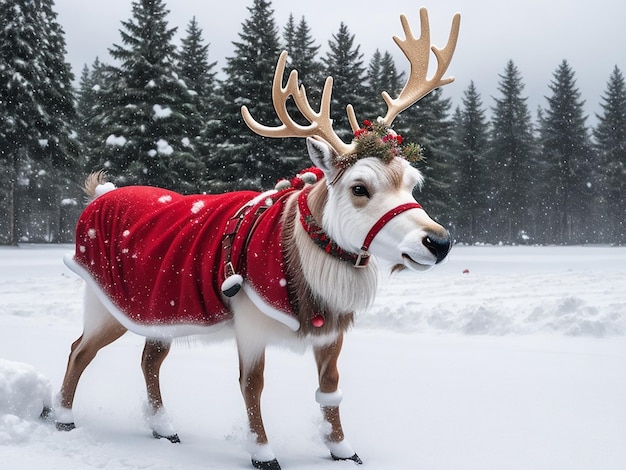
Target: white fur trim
{"points": [[260, 197], [282, 184], [261, 452], [61, 414], [159, 422], [286, 319], [329, 399], [156, 331], [341, 449], [308, 177]]}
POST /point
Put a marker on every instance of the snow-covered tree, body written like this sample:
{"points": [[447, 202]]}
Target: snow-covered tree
{"points": [[148, 120], [37, 146], [511, 160], [199, 74], [471, 144], [382, 75], [196, 70], [90, 104], [303, 51], [344, 62], [243, 159], [610, 137], [567, 180]]}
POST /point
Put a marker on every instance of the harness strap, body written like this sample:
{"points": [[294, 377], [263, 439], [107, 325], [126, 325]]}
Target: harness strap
{"points": [[317, 233], [380, 224], [233, 225]]}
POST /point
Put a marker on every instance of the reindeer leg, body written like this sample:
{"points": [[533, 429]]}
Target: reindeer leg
{"points": [[154, 353], [251, 382], [329, 397], [100, 333]]}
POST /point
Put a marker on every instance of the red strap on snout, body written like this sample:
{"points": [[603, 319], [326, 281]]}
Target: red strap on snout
{"points": [[386, 218]]}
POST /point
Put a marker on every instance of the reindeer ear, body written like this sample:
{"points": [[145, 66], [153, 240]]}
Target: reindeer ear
{"points": [[322, 155]]}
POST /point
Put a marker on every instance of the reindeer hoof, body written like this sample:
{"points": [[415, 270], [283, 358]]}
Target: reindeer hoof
{"points": [[46, 414], [266, 465], [65, 426], [355, 458], [174, 439]]}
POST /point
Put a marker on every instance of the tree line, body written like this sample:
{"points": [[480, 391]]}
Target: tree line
{"points": [[158, 115]]}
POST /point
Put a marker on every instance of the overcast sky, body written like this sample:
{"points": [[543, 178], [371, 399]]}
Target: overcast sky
{"points": [[536, 34]]}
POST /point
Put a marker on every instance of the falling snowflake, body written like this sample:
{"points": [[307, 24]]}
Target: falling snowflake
{"points": [[197, 206]]}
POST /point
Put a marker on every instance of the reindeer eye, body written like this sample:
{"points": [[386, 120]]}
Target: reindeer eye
{"points": [[360, 191]]}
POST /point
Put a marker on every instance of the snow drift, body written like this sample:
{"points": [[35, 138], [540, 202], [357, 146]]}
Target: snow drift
{"points": [[504, 357]]}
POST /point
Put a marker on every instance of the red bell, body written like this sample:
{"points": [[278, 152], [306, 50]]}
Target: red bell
{"points": [[318, 320]]}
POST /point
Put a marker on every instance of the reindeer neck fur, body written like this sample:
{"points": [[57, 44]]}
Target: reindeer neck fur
{"points": [[322, 283]]}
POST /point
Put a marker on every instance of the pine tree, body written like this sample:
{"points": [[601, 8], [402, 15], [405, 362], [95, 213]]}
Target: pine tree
{"points": [[199, 76], [38, 151], [511, 160], [382, 75], [193, 62], [244, 159], [303, 51], [57, 95], [149, 122], [471, 186], [374, 87], [344, 62], [90, 104], [610, 137], [289, 34], [391, 81], [565, 148]]}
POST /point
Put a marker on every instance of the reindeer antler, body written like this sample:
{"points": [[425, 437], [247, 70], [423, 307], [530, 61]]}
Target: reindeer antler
{"points": [[416, 50], [321, 125]]}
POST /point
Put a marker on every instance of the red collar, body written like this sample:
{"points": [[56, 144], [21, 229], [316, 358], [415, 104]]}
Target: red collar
{"points": [[330, 246]]}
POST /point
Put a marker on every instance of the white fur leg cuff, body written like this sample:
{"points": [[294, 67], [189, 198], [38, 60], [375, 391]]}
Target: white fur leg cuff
{"points": [[341, 449], [63, 415], [261, 452], [329, 399], [159, 422]]}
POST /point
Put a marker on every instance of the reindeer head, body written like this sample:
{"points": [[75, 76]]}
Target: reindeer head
{"points": [[369, 204]]}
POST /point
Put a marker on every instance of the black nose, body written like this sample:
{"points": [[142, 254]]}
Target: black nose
{"points": [[438, 246]]}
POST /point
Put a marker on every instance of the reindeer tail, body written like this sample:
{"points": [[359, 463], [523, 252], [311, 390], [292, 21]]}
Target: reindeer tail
{"points": [[96, 185]]}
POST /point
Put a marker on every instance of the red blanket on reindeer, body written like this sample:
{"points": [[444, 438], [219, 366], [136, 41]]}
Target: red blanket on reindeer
{"points": [[156, 257]]}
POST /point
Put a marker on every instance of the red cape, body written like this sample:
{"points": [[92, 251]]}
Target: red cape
{"points": [[155, 257]]}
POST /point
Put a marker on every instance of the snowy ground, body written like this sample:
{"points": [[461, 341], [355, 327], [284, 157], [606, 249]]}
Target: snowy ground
{"points": [[518, 364]]}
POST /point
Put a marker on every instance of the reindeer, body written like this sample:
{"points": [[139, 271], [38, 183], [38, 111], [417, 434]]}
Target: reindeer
{"points": [[289, 266]]}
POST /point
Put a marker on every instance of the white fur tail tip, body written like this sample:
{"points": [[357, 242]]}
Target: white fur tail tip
{"points": [[104, 188]]}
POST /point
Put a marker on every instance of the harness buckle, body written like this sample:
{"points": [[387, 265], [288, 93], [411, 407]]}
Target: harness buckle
{"points": [[229, 269], [362, 260]]}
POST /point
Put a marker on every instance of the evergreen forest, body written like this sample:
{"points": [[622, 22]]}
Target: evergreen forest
{"points": [[160, 113]]}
